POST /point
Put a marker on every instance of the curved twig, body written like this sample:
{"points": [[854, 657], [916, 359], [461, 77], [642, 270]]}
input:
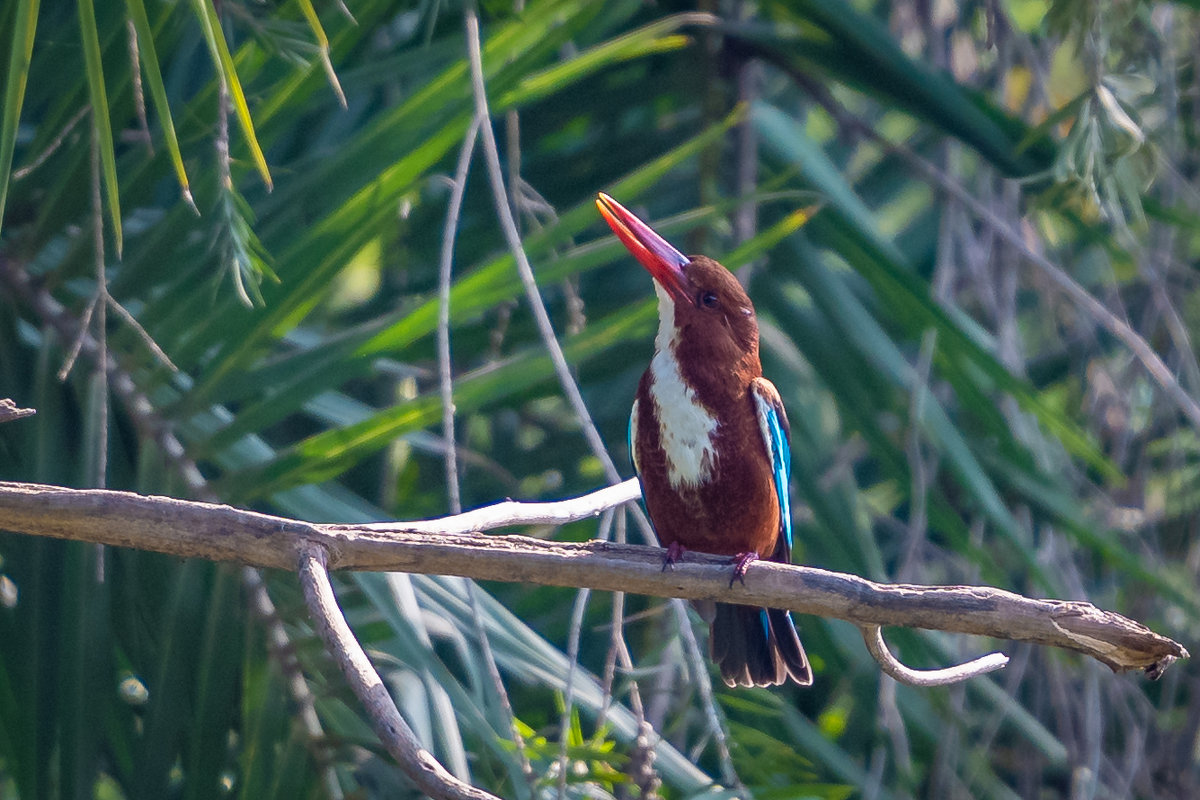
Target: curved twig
{"points": [[877, 647], [513, 237], [542, 318], [446, 387], [446, 263], [417, 762]]}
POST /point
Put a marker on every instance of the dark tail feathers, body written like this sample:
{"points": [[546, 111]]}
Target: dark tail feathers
{"points": [[757, 647]]}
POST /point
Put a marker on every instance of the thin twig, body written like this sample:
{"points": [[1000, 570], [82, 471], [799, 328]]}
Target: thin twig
{"points": [[574, 634], [509, 226], [55, 143], [142, 334], [77, 341], [283, 650], [445, 372], [542, 318], [564, 732], [877, 647], [446, 386], [97, 468], [716, 720], [919, 466], [641, 762], [618, 651], [512, 135], [418, 763], [102, 297]]}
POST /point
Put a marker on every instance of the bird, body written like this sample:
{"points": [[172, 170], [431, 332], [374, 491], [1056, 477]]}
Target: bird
{"points": [[710, 443]]}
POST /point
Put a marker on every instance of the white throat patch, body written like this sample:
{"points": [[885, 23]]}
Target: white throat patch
{"points": [[685, 426]]}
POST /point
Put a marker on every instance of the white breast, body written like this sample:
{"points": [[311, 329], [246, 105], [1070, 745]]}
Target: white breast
{"points": [[686, 427]]}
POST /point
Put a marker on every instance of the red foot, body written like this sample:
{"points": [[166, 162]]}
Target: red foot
{"points": [[675, 552], [740, 563]]}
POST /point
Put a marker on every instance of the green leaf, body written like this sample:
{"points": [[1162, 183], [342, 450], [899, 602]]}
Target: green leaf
{"points": [[325, 455], [25, 17], [148, 58], [101, 126], [879, 260], [214, 37], [832, 39], [314, 22]]}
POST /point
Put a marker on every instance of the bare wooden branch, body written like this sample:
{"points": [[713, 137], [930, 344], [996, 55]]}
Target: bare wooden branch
{"points": [[417, 762], [221, 533], [9, 410]]}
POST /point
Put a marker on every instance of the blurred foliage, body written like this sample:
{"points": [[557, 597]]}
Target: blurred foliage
{"points": [[956, 418]]}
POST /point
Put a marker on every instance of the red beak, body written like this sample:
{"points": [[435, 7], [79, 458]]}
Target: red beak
{"points": [[655, 253]]}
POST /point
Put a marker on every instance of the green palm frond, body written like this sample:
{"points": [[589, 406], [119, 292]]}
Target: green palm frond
{"points": [[954, 418]]}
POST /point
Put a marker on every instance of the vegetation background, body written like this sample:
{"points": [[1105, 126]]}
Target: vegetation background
{"points": [[984, 340]]}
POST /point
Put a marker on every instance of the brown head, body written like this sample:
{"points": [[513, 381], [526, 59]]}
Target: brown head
{"points": [[706, 319]]}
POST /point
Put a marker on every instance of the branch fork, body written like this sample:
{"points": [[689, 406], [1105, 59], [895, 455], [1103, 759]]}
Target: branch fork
{"points": [[456, 545]]}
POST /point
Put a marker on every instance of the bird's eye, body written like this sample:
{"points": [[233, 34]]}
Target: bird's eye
{"points": [[709, 300]]}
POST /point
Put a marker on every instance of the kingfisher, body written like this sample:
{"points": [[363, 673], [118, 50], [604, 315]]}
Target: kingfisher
{"points": [[710, 443]]}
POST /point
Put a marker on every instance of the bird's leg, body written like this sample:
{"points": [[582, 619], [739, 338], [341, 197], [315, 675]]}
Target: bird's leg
{"points": [[674, 552], [740, 563]]}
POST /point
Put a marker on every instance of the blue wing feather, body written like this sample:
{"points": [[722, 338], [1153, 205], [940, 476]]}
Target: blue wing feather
{"points": [[633, 456], [629, 437], [781, 467], [775, 431]]}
